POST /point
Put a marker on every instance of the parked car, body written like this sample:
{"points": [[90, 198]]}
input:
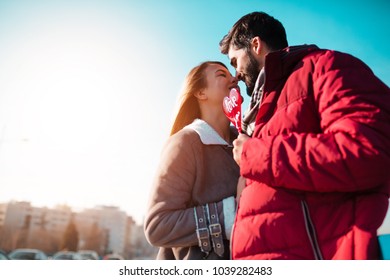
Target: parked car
{"points": [[67, 255], [3, 255], [27, 254], [113, 257], [88, 254]]}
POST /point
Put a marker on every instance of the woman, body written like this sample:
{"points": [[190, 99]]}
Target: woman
{"points": [[192, 206]]}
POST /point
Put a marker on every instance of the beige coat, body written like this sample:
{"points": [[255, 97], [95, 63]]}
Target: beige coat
{"points": [[196, 168]]}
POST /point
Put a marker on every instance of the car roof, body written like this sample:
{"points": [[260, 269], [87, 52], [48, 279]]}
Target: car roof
{"points": [[27, 250]]}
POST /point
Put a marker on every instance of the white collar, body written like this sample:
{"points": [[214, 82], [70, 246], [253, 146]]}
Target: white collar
{"points": [[207, 134]]}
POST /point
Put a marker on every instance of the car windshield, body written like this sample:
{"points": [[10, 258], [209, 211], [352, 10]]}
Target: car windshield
{"points": [[89, 255], [64, 257], [23, 256]]}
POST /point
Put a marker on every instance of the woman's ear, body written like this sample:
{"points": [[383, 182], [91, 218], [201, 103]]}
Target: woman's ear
{"points": [[201, 95]]}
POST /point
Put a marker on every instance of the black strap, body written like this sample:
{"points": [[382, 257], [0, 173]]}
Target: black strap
{"points": [[215, 229], [202, 231]]}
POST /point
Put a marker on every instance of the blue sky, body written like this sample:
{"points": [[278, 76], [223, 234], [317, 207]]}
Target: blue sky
{"points": [[88, 88]]}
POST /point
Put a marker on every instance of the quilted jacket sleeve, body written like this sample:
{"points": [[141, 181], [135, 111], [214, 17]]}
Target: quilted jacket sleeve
{"points": [[352, 153]]}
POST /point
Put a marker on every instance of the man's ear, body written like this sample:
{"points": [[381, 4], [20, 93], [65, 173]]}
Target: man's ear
{"points": [[200, 95], [256, 45]]}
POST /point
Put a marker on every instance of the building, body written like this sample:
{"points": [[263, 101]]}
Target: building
{"points": [[112, 223], [15, 220], [105, 229]]}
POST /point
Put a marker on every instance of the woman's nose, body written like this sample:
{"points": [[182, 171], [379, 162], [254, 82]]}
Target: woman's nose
{"points": [[235, 79]]}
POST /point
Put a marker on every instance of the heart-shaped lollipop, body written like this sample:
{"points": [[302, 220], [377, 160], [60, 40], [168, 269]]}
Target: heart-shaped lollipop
{"points": [[232, 108]]}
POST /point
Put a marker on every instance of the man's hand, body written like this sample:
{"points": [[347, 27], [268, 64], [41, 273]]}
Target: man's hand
{"points": [[238, 144]]}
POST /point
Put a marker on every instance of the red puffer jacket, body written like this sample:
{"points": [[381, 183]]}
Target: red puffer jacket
{"points": [[317, 167]]}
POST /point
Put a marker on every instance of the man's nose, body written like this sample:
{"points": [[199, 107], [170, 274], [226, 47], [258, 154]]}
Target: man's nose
{"points": [[238, 76]]}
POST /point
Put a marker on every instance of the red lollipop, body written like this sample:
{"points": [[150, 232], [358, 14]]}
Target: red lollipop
{"points": [[232, 107]]}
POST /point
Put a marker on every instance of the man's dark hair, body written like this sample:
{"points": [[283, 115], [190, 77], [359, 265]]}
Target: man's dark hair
{"points": [[260, 24]]}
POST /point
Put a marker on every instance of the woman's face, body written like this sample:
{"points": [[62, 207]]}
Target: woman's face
{"points": [[219, 83]]}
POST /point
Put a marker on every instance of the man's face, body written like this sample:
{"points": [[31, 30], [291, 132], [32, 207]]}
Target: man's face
{"points": [[246, 65]]}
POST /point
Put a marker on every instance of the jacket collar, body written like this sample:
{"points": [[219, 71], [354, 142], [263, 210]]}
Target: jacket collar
{"points": [[279, 64], [207, 134]]}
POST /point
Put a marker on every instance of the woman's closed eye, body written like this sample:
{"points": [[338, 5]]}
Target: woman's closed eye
{"points": [[221, 73]]}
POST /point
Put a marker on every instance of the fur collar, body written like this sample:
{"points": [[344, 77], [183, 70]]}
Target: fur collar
{"points": [[207, 134]]}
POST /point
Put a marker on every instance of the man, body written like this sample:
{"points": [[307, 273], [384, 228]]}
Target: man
{"points": [[317, 163]]}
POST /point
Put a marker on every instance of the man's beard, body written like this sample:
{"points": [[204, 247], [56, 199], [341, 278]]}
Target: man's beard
{"points": [[251, 74]]}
